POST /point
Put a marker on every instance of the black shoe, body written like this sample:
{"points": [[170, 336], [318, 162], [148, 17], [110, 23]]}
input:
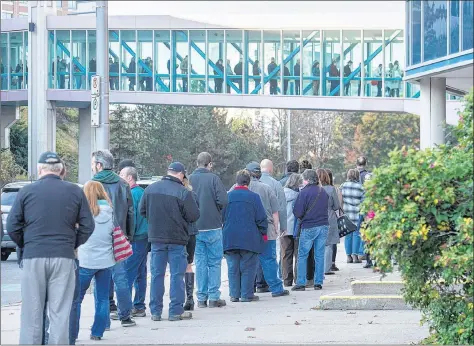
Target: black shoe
{"points": [[217, 303], [298, 288], [252, 299], [334, 268], [281, 294], [263, 290], [97, 338], [329, 273], [113, 308], [288, 284], [189, 284], [234, 300], [368, 265], [318, 287], [128, 323], [202, 304]]}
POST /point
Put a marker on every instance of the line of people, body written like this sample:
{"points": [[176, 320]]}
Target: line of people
{"points": [[66, 236]]}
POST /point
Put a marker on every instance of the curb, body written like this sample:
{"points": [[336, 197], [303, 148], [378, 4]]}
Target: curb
{"points": [[359, 287], [365, 302]]}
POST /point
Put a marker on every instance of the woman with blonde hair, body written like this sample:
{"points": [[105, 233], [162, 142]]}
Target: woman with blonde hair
{"points": [[96, 257]]}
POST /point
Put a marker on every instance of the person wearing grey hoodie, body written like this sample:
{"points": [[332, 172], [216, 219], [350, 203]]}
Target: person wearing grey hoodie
{"points": [[289, 244], [96, 259]]}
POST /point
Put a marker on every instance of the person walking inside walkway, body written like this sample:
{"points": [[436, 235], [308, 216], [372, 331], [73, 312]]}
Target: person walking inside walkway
{"points": [[136, 264], [268, 259], [96, 258], [212, 199], [273, 81], [245, 225], [311, 207], [122, 203], [169, 208], [352, 196], [218, 81], [43, 221], [289, 244]]}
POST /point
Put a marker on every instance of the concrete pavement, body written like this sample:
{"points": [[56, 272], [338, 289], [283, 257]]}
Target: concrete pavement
{"points": [[295, 319]]}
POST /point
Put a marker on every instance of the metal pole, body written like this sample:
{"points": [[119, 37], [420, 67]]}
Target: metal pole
{"points": [[288, 133], [102, 20]]}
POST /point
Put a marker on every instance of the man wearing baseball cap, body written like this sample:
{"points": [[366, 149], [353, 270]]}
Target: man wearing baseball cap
{"points": [[43, 221], [169, 207]]}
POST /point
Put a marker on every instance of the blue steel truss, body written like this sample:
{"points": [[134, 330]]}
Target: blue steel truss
{"points": [[369, 59], [285, 61], [68, 53], [140, 62]]}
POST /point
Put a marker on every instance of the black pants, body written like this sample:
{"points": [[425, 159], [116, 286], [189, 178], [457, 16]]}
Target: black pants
{"points": [[218, 85], [297, 87], [273, 87], [310, 265], [260, 279], [289, 258]]}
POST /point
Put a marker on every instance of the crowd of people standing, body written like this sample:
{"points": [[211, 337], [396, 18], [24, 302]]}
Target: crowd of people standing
{"points": [[105, 232]]}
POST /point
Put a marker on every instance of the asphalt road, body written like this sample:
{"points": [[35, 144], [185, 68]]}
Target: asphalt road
{"points": [[11, 279]]}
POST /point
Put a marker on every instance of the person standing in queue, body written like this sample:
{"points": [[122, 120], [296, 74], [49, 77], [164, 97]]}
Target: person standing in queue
{"points": [[169, 208], [48, 243], [136, 264], [122, 203]]}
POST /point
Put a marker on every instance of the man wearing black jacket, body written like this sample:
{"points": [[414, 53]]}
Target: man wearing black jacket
{"points": [[120, 194], [169, 207], [43, 221]]}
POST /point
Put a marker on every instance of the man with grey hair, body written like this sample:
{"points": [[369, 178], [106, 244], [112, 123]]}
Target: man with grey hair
{"points": [[267, 170], [120, 194], [136, 264], [43, 221]]}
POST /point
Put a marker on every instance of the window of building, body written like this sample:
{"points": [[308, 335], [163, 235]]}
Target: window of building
{"points": [[24, 2], [7, 15], [467, 27], [415, 15], [454, 27], [59, 4], [23, 15], [72, 5], [435, 29]]}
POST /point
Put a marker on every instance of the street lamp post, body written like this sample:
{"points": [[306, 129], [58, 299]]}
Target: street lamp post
{"points": [[102, 132]]}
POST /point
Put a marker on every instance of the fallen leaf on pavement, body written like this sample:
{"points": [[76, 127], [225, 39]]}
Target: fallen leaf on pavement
{"points": [[249, 329], [370, 322], [316, 308], [154, 328], [351, 313], [297, 323], [251, 337]]}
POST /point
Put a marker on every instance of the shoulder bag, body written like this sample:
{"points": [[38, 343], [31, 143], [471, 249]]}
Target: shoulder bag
{"points": [[345, 225], [120, 244], [299, 222]]}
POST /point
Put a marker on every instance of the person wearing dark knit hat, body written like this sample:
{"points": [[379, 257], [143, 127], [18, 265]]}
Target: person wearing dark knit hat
{"points": [[125, 163]]}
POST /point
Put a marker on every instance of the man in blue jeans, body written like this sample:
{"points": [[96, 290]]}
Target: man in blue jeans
{"points": [[212, 198], [136, 264], [169, 207], [311, 208]]}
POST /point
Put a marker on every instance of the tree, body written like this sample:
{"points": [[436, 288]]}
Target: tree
{"points": [[9, 169], [19, 139]]}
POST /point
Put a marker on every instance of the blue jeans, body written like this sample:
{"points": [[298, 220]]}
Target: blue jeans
{"points": [[122, 290], [268, 260], [176, 256], [316, 236], [137, 272], [208, 258], [101, 295], [241, 266], [72, 316], [352, 242]]}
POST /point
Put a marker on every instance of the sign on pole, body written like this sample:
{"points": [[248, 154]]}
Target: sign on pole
{"points": [[95, 101]]}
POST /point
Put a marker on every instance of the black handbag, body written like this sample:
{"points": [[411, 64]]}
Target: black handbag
{"points": [[299, 222], [345, 225]]}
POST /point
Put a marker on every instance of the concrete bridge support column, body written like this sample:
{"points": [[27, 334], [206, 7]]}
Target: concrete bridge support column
{"points": [[85, 145], [433, 112], [41, 112], [8, 117]]}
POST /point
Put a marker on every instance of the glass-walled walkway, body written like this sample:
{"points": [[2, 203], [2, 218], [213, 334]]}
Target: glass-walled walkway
{"points": [[357, 63]]}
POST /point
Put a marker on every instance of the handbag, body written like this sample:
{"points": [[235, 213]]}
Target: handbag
{"points": [[345, 225], [120, 244], [299, 222]]}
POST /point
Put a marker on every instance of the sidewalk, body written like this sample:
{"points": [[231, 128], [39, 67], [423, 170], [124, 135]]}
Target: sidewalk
{"points": [[288, 320]]}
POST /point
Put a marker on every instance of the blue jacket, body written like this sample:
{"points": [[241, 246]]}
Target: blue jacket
{"points": [[318, 215], [245, 221], [141, 226]]}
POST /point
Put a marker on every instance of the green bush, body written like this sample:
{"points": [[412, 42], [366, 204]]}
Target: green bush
{"points": [[420, 213]]}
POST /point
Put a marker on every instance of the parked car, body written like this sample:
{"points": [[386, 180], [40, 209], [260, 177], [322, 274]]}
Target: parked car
{"points": [[144, 182], [9, 193]]}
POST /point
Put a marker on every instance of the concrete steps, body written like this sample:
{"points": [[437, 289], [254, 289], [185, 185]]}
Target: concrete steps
{"points": [[367, 295]]}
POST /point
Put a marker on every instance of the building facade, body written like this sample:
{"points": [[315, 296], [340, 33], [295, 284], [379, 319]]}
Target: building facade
{"points": [[439, 46], [19, 9]]}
